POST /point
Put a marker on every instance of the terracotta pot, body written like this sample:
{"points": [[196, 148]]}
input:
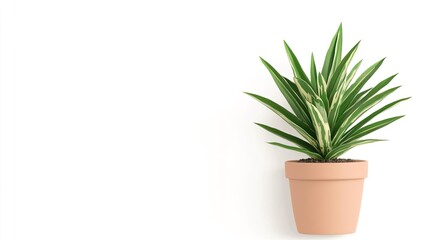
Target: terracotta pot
{"points": [[326, 197]]}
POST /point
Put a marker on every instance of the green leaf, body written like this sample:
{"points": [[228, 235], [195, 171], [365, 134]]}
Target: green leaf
{"points": [[297, 124], [354, 89], [337, 86], [373, 115], [337, 151], [345, 107], [358, 112], [309, 153], [372, 92], [288, 137], [352, 74], [360, 95], [295, 103], [340, 72], [313, 73], [370, 128], [342, 113], [338, 47], [296, 93], [296, 66], [330, 55]]}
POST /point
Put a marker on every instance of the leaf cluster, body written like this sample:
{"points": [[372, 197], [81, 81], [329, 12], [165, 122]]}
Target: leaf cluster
{"points": [[328, 104]]}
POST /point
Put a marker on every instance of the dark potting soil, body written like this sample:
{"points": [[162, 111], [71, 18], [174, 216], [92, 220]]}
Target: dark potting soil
{"points": [[337, 160]]}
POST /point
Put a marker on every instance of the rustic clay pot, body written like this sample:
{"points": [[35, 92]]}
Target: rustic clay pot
{"points": [[326, 197]]}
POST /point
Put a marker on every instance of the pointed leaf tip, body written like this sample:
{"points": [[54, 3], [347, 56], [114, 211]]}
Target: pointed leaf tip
{"points": [[286, 45], [259, 124]]}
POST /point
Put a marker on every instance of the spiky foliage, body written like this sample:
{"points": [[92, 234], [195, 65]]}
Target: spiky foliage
{"points": [[327, 104]]}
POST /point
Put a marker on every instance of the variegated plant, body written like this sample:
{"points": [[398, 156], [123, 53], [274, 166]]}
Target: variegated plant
{"points": [[327, 104]]}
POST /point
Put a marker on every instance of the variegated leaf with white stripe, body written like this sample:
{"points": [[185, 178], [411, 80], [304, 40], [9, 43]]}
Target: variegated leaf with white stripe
{"points": [[321, 126], [321, 91], [305, 90]]}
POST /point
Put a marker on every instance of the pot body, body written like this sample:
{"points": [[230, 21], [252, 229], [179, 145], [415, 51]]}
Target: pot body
{"points": [[326, 197]]}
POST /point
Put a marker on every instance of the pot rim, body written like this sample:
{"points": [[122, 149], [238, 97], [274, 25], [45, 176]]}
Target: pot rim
{"points": [[352, 161], [358, 169]]}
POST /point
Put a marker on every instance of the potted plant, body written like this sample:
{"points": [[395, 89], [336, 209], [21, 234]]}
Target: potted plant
{"points": [[328, 108]]}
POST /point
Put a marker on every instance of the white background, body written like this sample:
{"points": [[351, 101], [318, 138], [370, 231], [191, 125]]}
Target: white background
{"points": [[125, 119]]}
